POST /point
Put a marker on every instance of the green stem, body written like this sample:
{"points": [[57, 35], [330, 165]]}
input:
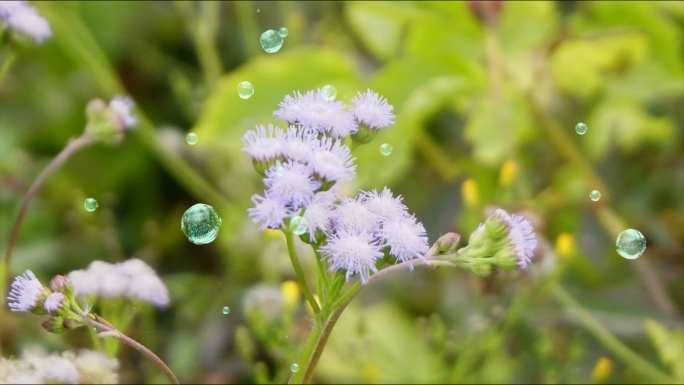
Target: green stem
{"points": [[298, 270], [7, 63], [247, 22], [205, 30], [632, 359]]}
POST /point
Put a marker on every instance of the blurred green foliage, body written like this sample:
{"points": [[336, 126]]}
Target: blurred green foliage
{"points": [[473, 88]]}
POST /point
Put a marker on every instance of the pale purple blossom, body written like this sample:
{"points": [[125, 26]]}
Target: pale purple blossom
{"points": [[384, 204], [351, 215], [59, 370], [264, 144], [312, 110], [299, 144], [372, 110], [406, 239], [149, 288], [25, 291], [355, 253], [134, 267], [521, 236], [291, 183], [319, 212], [269, 211], [54, 302], [21, 17], [123, 111], [332, 161]]}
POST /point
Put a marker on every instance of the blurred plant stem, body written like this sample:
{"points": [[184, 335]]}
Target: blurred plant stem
{"points": [[610, 221], [248, 27], [107, 330], [633, 360], [7, 63], [72, 147], [78, 42], [298, 269]]}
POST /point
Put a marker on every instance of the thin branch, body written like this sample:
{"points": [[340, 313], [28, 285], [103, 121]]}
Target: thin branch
{"points": [[298, 270]]}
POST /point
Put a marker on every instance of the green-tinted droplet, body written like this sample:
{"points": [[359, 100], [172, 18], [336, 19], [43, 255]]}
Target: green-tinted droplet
{"points": [[329, 92], [283, 32], [245, 90], [298, 225], [200, 223], [271, 41], [385, 149], [226, 310], [294, 368], [631, 244], [595, 195], [581, 128], [258, 10], [90, 204], [191, 138]]}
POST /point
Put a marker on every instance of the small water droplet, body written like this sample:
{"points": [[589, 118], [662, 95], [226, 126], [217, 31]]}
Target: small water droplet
{"points": [[258, 10], [595, 195], [298, 225], [630, 244], [385, 149], [329, 92], [226, 310], [271, 41], [581, 128], [191, 138], [294, 368], [283, 32], [245, 90], [90, 204], [200, 223]]}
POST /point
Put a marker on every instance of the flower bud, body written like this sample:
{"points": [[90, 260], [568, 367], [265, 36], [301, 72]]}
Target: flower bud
{"points": [[364, 135], [62, 284], [54, 325], [448, 242], [71, 322]]}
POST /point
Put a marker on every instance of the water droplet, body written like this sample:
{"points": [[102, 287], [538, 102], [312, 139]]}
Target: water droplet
{"points": [[258, 10], [283, 32], [385, 149], [294, 368], [245, 90], [226, 310], [581, 128], [298, 225], [631, 244], [595, 195], [200, 223], [329, 92], [271, 41], [191, 138], [90, 204]]}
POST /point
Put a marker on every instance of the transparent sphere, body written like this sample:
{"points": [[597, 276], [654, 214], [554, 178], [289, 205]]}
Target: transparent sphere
{"points": [[200, 224]]}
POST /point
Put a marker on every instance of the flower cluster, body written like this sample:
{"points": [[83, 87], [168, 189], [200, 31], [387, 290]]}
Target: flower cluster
{"points": [[132, 279], [109, 122], [20, 17], [302, 165], [34, 366]]}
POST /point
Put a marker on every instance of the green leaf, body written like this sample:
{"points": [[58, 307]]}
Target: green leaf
{"points": [[670, 346]]}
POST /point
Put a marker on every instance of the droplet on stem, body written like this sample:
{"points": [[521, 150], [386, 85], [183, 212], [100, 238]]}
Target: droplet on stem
{"points": [[294, 368], [298, 225]]}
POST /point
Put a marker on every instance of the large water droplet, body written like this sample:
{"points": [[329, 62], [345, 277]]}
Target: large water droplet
{"points": [[298, 225], [90, 204], [581, 128], [191, 138], [283, 32], [385, 149], [631, 244], [271, 41], [226, 310], [294, 368], [200, 223], [329, 92], [245, 90], [595, 195]]}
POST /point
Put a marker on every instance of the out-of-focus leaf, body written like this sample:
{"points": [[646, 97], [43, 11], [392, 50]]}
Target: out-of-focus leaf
{"points": [[579, 66], [670, 346], [516, 32]]}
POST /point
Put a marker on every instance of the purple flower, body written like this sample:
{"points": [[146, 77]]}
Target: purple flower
{"points": [[269, 211], [54, 302], [291, 183], [21, 17], [521, 236], [354, 252], [312, 110], [122, 107], [351, 215], [300, 143], [25, 291], [384, 205], [149, 288], [264, 144], [405, 237], [319, 212], [332, 161], [372, 110]]}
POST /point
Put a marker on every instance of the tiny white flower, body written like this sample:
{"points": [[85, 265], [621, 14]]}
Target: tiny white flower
{"points": [[151, 289], [354, 253], [372, 110], [291, 184], [59, 370], [23, 295], [54, 302], [406, 239], [85, 282], [332, 161], [521, 236], [264, 143], [114, 284], [384, 205], [96, 367], [269, 211], [134, 267], [312, 110], [122, 107], [24, 19], [319, 213], [299, 144], [351, 215]]}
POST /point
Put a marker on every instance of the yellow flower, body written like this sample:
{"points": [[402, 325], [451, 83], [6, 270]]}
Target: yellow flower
{"points": [[471, 195], [565, 245], [290, 292], [602, 370], [509, 171]]}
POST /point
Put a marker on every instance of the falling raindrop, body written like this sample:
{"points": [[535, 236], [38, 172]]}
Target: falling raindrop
{"points": [[283, 32], [631, 244], [226, 310], [294, 368], [271, 41], [90, 204], [385, 149], [595, 195], [191, 138], [200, 223], [245, 90], [329, 92], [581, 128], [298, 225]]}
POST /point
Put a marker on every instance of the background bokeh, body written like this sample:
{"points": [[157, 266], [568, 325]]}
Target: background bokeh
{"points": [[486, 98]]}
